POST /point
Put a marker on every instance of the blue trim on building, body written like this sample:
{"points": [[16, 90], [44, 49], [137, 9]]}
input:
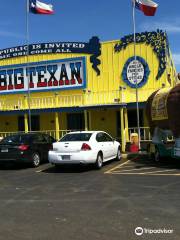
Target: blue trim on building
{"points": [[63, 109], [142, 105]]}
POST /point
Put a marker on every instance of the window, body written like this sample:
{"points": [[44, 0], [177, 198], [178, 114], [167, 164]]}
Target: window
{"points": [[49, 139], [103, 137], [39, 138], [76, 137], [107, 138], [75, 121]]}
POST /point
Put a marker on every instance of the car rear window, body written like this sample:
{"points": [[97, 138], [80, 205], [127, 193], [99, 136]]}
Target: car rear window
{"points": [[76, 137], [14, 139]]}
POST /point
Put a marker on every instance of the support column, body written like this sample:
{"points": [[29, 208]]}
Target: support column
{"points": [[90, 120], [57, 125], [126, 124], [86, 120], [26, 122], [123, 144]]}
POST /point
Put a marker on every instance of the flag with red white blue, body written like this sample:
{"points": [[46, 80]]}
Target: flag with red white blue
{"points": [[38, 7], [148, 7]]}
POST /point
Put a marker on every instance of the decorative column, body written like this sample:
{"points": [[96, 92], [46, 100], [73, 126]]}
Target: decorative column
{"points": [[126, 124], [57, 125], [90, 120], [86, 120], [123, 140], [26, 122]]}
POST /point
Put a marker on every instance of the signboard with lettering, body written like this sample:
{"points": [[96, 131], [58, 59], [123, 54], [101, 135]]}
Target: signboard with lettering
{"points": [[159, 105], [135, 72], [43, 76], [93, 47]]}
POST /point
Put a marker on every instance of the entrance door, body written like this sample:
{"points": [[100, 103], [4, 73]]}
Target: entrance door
{"points": [[35, 123], [132, 118], [75, 121]]}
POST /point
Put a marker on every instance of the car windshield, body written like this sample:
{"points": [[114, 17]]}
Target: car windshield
{"points": [[14, 139], [76, 137]]}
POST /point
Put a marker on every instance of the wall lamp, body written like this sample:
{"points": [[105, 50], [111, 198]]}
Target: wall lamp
{"points": [[122, 88]]}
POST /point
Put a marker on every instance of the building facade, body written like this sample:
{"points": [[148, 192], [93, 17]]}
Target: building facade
{"points": [[82, 85]]}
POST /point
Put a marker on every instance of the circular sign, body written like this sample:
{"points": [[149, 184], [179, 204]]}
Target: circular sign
{"points": [[135, 72]]}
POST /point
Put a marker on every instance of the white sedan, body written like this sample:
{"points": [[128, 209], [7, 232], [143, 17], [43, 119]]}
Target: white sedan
{"points": [[85, 147]]}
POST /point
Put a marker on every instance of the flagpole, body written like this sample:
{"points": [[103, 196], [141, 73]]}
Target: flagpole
{"points": [[137, 100], [27, 60]]}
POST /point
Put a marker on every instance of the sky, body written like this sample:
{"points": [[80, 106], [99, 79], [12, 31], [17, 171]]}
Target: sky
{"points": [[79, 20]]}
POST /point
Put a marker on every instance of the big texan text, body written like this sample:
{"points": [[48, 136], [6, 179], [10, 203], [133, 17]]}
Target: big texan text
{"points": [[56, 75]]}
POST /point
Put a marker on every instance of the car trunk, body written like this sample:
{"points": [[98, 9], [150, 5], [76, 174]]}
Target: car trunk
{"points": [[8, 151], [68, 147]]}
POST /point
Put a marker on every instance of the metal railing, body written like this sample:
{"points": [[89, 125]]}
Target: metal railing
{"points": [[50, 132], [145, 134]]}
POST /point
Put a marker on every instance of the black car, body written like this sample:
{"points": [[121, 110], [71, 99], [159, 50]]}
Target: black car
{"points": [[26, 148]]}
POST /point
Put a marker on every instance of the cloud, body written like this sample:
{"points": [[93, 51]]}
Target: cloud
{"points": [[170, 26], [176, 57]]}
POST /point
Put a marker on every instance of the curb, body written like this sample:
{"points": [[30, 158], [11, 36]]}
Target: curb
{"points": [[127, 154]]}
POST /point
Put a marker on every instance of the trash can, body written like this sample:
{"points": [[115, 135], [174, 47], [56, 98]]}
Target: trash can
{"points": [[134, 142]]}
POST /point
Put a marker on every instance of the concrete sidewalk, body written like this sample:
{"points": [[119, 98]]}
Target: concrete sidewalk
{"points": [[130, 154]]}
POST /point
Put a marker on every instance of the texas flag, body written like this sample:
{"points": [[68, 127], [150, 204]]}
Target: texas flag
{"points": [[148, 7], [38, 7]]}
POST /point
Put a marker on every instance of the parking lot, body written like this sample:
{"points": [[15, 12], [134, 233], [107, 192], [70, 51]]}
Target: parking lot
{"points": [[143, 165], [76, 202]]}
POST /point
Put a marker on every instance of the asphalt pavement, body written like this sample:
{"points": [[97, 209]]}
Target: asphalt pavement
{"points": [[81, 203]]}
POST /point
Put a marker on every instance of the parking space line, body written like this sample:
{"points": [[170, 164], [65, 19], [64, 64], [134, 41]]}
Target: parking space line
{"points": [[118, 166], [148, 174], [129, 170], [41, 170], [166, 174], [168, 170]]}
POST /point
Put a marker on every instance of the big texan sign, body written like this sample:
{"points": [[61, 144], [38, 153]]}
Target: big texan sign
{"points": [[42, 76]]}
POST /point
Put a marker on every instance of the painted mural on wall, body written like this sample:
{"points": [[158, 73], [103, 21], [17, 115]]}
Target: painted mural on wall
{"points": [[158, 41], [93, 47], [135, 72], [43, 76]]}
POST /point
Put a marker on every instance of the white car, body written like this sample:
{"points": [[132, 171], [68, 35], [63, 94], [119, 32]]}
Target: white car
{"points": [[84, 148]]}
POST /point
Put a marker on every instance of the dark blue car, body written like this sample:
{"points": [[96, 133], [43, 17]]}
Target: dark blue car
{"points": [[26, 148]]}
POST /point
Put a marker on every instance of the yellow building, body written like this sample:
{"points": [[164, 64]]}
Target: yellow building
{"points": [[77, 85]]}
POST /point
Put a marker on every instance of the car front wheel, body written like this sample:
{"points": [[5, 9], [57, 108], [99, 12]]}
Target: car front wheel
{"points": [[36, 159], [99, 161], [157, 156]]}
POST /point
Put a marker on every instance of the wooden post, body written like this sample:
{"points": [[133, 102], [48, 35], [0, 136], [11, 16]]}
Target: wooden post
{"points": [[126, 124], [26, 128], [86, 120], [90, 120], [57, 125], [123, 144]]}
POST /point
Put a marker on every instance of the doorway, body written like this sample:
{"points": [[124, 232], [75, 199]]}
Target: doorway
{"points": [[75, 121], [35, 123]]}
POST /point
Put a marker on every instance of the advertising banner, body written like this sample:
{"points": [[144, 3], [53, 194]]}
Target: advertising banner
{"points": [[43, 76], [159, 105]]}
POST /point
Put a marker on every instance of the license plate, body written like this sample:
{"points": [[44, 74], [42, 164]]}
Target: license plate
{"points": [[65, 157], [4, 150]]}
